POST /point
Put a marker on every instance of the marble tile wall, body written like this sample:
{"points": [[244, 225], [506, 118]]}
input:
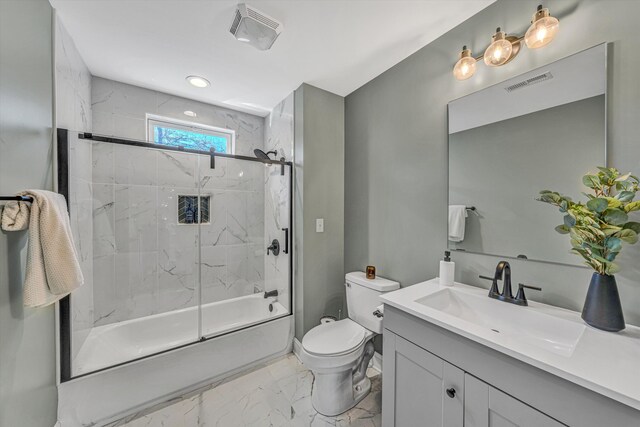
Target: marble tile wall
{"points": [[144, 261], [120, 110], [73, 112], [72, 83], [139, 273], [278, 137]]}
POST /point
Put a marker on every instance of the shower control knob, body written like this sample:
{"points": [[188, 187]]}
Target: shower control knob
{"points": [[274, 247]]}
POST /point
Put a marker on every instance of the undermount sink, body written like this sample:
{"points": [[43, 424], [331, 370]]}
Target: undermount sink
{"points": [[522, 324]]}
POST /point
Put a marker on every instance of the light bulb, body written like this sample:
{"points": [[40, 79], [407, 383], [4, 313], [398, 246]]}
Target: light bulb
{"points": [[499, 51], [543, 29], [466, 65]]}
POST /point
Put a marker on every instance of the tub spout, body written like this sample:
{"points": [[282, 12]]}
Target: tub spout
{"points": [[271, 294]]}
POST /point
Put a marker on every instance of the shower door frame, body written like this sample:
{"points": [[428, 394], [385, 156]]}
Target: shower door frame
{"points": [[62, 136]]}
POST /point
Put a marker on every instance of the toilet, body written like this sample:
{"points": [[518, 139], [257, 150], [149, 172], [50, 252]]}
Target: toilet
{"points": [[338, 353]]}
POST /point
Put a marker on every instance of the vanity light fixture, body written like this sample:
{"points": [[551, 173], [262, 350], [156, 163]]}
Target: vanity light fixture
{"points": [[504, 47], [543, 29], [466, 65], [500, 51], [198, 81]]}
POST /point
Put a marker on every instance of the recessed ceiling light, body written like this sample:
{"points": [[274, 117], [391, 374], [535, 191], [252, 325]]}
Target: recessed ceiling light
{"points": [[198, 81], [190, 113]]}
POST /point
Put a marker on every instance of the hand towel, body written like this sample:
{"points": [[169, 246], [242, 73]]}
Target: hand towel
{"points": [[52, 270], [457, 220]]}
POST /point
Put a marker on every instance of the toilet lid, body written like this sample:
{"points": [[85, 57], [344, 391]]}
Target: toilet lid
{"points": [[334, 338]]}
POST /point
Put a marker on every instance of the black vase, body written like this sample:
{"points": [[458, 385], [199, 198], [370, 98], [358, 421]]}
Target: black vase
{"points": [[602, 308]]}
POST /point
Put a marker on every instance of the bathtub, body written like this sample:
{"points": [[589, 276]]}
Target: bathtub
{"points": [[117, 343], [102, 397]]}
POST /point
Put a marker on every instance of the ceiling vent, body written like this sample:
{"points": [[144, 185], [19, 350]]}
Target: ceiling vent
{"points": [[530, 81], [254, 27]]}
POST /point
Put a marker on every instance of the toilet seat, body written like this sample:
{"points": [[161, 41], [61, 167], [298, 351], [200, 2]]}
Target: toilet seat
{"points": [[335, 338]]}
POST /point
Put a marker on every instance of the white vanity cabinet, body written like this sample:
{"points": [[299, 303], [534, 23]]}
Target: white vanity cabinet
{"points": [[421, 389], [434, 377], [415, 389]]}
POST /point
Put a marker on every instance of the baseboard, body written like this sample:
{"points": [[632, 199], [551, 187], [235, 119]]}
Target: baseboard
{"points": [[297, 347], [376, 362]]}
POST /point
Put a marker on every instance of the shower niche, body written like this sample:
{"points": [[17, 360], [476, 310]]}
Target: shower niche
{"points": [[173, 244]]}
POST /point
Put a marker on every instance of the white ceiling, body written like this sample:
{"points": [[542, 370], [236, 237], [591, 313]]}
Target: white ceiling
{"points": [[336, 45]]}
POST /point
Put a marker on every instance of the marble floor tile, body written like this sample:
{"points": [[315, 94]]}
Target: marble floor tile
{"points": [[276, 394]]}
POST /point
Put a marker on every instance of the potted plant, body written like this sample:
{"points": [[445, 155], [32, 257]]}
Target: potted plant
{"points": [[597, 230]]}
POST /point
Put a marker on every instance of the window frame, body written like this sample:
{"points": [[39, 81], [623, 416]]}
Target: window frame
{"points": [[152, 119]]}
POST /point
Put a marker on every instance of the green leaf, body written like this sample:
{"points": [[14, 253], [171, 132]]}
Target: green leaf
{"points": [[591, 181], [598, 205], [625, 196], [635, 226], [628, 236], [613, 203], [600, 259], [610, 230], [564, 205], [623, 177], [633, 206], [615, 216], [613, 244], [569, 221], [611, 269], [562, 229]]}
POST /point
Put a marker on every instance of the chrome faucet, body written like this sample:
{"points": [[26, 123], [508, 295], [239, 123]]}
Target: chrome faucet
{"points": [[503, 270]]}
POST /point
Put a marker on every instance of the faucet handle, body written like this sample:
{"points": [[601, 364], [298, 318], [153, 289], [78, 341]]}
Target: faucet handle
{"points": [[493, 292], [521, 298]]}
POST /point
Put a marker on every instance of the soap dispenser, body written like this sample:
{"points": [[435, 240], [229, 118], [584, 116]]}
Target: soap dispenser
{"points": [[447, 270]]}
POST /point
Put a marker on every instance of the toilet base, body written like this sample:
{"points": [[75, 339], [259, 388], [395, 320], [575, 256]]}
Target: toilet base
{"points": [[334, 394]]}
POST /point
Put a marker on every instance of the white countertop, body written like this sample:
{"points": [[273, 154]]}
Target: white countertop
{"points": [[605, 362]]}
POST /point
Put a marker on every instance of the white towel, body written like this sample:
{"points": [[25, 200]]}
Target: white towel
{"points": [[53, 270], [457, 220]]}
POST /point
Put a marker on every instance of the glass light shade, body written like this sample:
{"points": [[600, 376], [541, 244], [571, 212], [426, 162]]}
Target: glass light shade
{"points": [[465, 67], [542, 30], [499, 51]]}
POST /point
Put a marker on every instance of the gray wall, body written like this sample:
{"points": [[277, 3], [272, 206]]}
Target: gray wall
{"points": [[319, 193], [396, 146], [27, 338], [500, 168]]}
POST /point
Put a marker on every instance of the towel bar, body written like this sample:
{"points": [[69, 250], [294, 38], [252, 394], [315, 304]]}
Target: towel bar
{"points": [[17, 198]]}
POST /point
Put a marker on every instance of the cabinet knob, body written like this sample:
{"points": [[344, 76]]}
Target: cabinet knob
{"points": [[451, 392]]}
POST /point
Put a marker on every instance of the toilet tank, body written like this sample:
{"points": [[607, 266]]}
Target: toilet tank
{"points": [[363, 297]]}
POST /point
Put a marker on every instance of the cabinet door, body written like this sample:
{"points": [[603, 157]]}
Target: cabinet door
{"points": [[415, 384], [486, 406]]}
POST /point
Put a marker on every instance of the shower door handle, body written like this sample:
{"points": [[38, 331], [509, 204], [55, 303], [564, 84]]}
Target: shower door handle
{"points": [[286, 240]]}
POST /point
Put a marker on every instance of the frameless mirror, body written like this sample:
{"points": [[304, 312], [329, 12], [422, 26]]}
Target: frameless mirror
{"points": [[541, 130]]}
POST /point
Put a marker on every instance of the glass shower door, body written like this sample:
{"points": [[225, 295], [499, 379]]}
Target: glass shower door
{"points": [[245, 198], [139, 258]]}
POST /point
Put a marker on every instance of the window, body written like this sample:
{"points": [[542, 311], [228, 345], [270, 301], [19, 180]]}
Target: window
{"points": [[194, 136]]}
